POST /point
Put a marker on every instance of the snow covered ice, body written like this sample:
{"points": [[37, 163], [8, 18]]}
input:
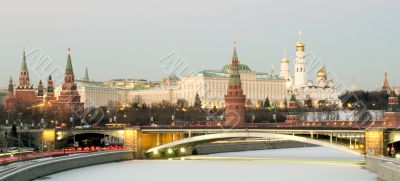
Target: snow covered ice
{"points": [[312, 163]]}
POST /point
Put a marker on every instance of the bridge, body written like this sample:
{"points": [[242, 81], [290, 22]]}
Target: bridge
{"points": [[144, 140]]}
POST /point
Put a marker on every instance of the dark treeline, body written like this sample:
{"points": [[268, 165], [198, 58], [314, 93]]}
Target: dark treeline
{"points": [[372, 100]]}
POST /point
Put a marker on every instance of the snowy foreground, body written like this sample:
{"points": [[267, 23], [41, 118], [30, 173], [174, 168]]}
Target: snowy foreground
{"points": [[314, 163]]}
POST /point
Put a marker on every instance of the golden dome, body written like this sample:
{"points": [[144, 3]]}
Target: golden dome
{"points": [[321, 72], [299, 44], [285, 60]]}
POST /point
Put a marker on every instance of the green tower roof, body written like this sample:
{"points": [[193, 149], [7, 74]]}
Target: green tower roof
{"points": [[234, 56], [69, 70], [24, 66], [86, 75]]}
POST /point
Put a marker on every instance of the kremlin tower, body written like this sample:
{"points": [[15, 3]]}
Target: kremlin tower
{"points": [[300, 67], [234, 99], [10, 101], [40, 92], [391, 118], [385, 85], [49, 97], [24, 93], [293, 117], [69, 99]]}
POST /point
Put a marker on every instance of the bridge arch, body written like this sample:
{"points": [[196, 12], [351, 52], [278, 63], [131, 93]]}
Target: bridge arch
{"points": [[220, 136], [68, 133], [88, 137]]}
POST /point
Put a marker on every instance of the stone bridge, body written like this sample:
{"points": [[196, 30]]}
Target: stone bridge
{"points": [[370, 141]]}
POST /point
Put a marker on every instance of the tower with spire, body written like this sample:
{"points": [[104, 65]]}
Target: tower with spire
{"points": [[24, 93], [353, 86], [40, 91], [300, 66], [391, 118], [234, 99], [69, 100], [293, 117], [10, 101], [86, 78], [49, 97], [24, 81], [385, 84]]}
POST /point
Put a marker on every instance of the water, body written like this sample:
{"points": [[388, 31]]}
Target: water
{"points": [[313, 163]]}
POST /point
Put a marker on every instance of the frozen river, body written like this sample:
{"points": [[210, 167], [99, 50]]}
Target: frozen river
{"points": [[313, 163]]}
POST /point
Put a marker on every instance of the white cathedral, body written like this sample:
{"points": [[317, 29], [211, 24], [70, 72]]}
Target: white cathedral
{"points": [[320, 91]]}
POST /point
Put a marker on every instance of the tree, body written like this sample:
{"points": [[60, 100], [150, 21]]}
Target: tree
{"points": [[197, 101], [267, 104], [181, 103], [308, 103]]}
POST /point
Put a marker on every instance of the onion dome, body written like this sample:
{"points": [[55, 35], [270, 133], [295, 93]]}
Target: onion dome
{"points": [[322, 73]]}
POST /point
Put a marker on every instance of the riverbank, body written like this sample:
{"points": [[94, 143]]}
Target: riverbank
{"points": [[388, 169], [29, 170]]}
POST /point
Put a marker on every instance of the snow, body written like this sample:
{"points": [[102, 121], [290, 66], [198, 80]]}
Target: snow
{"points": [[308, 164]]}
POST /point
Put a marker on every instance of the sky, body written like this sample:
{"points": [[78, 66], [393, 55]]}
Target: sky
{"points": [[127, 39]]}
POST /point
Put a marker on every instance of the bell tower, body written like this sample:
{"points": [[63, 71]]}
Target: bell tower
{"points": [[300, 66]]}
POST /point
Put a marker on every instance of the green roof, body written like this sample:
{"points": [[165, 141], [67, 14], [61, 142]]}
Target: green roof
{"points": [[241, 68], [69, 70], [220, 73], [86, 75], [24, 66]]}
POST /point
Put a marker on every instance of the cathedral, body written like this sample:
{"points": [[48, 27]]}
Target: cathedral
{"points": [[316, 92], [25, 96]]}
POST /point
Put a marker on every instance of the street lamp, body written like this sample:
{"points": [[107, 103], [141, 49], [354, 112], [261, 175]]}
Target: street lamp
{"points": [[170, 151], [71, 119], [252, 119], [151, 117]]}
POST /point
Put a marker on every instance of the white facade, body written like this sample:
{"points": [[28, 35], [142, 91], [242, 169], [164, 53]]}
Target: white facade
{"points": [[94, 94], [300, 66], [153, 95], [211, 85]]}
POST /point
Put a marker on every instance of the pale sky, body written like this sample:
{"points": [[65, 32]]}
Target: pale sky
{"points": [[125, 39]]}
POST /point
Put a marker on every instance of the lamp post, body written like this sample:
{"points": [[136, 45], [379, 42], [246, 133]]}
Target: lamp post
{"points": [[252, 119], [151, 117], [19, 133], [71, 120], [173, 117], [8, 115], [109, 116]]}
